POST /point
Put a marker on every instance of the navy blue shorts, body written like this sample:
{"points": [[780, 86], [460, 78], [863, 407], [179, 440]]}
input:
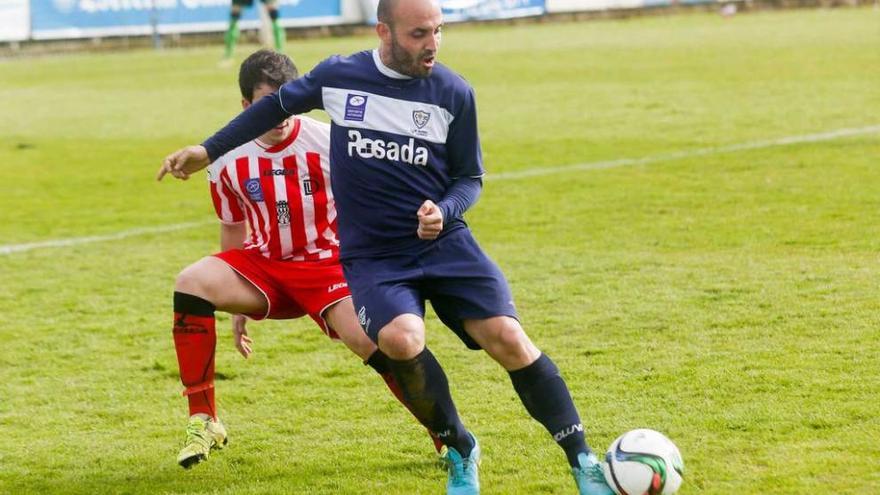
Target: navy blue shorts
{"points": [[452, 272]]}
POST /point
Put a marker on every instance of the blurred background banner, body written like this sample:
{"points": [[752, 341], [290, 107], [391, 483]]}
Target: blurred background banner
{"points": [[53, 19], [14, 20], [467, 10], [71, 19], [593, 5]]}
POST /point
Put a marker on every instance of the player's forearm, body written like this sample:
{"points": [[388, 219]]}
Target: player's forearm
{"points": [[461, 195], [232, 236], [255, 121]]}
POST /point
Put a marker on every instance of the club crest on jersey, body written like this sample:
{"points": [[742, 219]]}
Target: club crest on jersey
{"points": [[283, 211], [421, 118], [355, 107], [254, 190]]}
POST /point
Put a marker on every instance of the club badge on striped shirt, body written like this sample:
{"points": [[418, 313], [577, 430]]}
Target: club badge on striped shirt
{"points": [[283, 211]]}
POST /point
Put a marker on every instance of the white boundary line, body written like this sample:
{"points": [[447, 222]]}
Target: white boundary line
{"points": [[520, 174], [73, 241], [718, 150]]}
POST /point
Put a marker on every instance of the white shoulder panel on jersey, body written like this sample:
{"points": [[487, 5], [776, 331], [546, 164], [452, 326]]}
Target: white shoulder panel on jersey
{"points": [[362, 110]]}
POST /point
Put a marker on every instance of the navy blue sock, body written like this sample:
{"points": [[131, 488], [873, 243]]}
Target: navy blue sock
{"points": [[546, 397], [426, 390]]}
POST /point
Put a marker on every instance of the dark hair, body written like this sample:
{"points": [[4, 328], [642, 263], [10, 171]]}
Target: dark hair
{"points": [[265, 67]]}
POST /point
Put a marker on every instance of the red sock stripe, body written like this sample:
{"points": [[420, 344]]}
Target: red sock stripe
{"points": [[197, 388]]}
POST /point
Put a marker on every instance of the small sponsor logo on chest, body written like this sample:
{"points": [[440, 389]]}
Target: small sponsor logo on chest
{"points": [[254, 189], [279, 171], [355, 107], [309, 186]]}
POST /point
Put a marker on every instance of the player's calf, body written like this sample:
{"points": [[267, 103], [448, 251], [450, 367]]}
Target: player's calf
{"points": [[195, 339], [503, 338]]}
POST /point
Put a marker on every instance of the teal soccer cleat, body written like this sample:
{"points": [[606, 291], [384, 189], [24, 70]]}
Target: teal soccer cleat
{"points": [[464, 475], [589, 477]]}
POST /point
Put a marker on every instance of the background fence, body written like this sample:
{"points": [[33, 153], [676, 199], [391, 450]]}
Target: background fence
{"points": [[70, 19]]}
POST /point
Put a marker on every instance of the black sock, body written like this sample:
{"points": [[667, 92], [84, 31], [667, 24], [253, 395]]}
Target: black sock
{"points": [[379, 362], [192, 305], [426, 391], [547, 399]]}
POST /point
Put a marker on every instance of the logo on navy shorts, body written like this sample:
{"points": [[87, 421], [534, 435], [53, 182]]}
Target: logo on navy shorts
{"points": [[254, 190], [355, 107], [363, 320], [421, 118], [283, 211]]}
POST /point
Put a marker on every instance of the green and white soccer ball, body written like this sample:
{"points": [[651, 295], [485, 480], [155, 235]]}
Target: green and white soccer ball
{"points": [[643, 462]]}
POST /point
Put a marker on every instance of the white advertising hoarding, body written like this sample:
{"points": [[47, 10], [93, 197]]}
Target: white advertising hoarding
{"points": [[15, 22]]}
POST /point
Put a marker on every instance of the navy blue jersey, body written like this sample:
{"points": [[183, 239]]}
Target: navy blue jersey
{"points": [[395, 141]]}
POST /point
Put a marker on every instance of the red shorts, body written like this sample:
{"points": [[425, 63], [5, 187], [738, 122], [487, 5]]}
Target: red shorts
{"points": [[292, 288]]}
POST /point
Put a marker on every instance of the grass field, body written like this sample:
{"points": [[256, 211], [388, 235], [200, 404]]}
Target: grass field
{"points": [[728, 299]]}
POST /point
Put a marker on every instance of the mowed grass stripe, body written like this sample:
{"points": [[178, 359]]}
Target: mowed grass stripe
{"points": [[503, 176]]}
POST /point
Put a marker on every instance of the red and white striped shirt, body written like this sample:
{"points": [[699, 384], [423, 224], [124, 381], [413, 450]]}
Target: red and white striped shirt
{"points": [[283, 192]]}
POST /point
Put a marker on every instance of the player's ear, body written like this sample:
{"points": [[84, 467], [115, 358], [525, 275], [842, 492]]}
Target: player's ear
{"points": [[245, 104], [384, 32]]}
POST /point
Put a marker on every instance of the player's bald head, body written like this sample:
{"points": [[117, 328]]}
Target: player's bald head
{"points": [[409, 35], [388, 11]]}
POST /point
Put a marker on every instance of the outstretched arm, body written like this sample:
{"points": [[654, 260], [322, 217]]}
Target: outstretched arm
{"points": [[297, 96], [258, 118]]}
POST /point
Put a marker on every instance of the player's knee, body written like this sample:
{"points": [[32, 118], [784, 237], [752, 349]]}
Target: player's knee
{"points": [[401, 342], [192, 281], [509, 344], [509, 335]]}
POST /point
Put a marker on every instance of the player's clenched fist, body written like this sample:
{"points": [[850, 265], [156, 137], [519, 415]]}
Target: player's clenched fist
{"points": [[430, 220], [184, 162]]}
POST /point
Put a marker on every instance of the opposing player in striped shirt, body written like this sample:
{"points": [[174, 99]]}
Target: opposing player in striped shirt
{"points": [[279, 254]]}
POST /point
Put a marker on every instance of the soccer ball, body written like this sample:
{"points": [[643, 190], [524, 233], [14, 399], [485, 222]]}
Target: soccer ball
{"points": [[643, 462]]}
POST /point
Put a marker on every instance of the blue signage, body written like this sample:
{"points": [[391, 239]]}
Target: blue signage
{"points": [[468, 10], [77, 18]]}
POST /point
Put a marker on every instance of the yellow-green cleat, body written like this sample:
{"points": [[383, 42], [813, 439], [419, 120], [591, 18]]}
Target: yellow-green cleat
{"points": [[202, 435], [443, 458]]}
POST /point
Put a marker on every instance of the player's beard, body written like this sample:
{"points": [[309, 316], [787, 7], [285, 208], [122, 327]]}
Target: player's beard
{"points": [[403, 62]]}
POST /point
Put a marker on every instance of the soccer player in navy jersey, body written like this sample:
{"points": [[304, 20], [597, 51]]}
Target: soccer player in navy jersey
{"points": [[406, 164]]}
